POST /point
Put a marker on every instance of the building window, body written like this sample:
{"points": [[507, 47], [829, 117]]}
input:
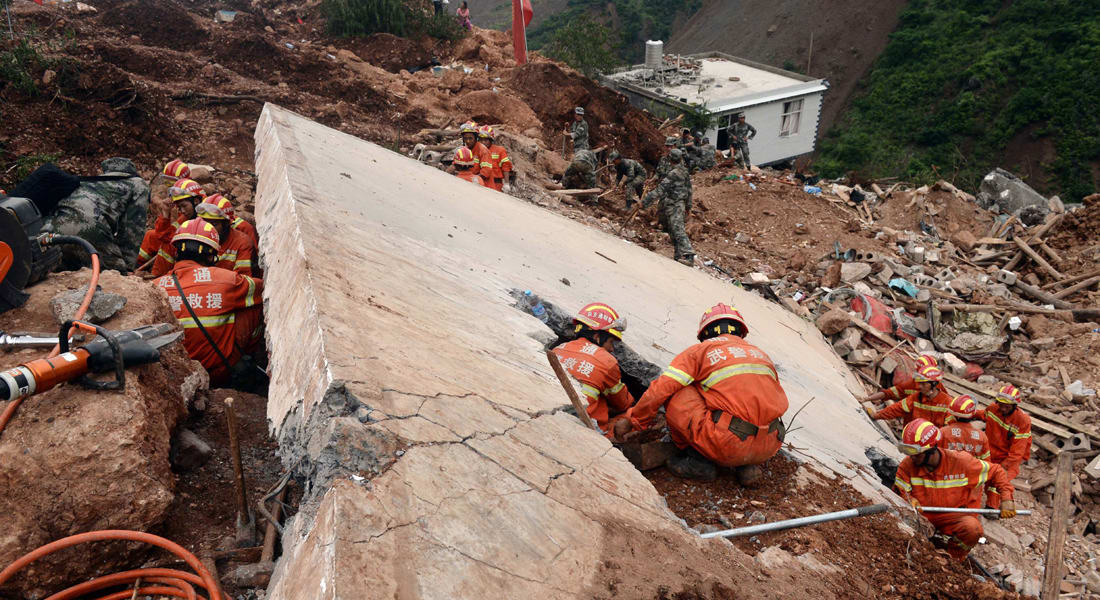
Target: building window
{"points": [[792, 118]]}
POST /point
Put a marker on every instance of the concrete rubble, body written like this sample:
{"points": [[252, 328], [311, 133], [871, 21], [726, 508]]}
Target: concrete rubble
{"points": [[463, 477]]}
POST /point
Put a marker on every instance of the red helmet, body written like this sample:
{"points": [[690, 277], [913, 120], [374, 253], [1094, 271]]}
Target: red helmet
{"points": [[928, 375], [223, 203], [468, 127], [486, 131], [200, 231], [601, 317], [963, 407], [185, 189], [208, 211], [723, 312], [176, 169], [1008, 394], [927, 360], [920, 435], [464, 157]]}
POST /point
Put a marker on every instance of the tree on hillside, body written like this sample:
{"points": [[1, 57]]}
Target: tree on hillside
{"points": [[584, 45]]}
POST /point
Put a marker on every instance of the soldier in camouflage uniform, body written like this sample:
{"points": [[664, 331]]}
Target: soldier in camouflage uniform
{"points": [[674, 195], [109, 212], [707, 152], [630, 173], [665, 165], [581, 173], [743, 132], [578, 130], [691, 154]]}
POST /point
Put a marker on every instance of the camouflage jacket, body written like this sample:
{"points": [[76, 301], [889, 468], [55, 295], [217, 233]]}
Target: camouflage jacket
{"points": [[629, 169], [585, 160], [706, 157], [579, 131], [743, 131], [675, 187]]}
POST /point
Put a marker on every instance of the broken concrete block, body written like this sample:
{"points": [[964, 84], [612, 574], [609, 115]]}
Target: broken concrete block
{"points": [[104, 305], [1006, 277], [854, 271], [956, 365], [1004, 192], [924, 296], [255, 575], [756, 278], [863, 288], [932, 255], [999, 290], [1043, 343], [921, 324], [189, 452], [885, 275], [849, 340], [915, 252], [862, 356], [1093, 468], [987, 380], [924, 346], [888, 364], [833, 322]]}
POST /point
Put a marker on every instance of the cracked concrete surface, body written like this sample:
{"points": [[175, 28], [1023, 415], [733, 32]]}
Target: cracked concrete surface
{"points": [[418, 408]]}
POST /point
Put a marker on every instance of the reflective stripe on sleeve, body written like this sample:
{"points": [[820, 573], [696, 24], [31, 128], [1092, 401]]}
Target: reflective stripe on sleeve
{"points": [[902, 484], [250, 298], [681, 377], [213, 321], [590, 391], [941, 485], [615, 389]]}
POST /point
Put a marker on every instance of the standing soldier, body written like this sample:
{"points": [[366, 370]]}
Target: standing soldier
{"points": [[581, 173], [674, 194], [500, 164], [742, 133], [665, 165], [109, 212], [578, 130], [630, 173]]}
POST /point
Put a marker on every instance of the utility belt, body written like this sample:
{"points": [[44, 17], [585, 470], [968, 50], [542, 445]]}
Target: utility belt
{"points": [[744, 430]]}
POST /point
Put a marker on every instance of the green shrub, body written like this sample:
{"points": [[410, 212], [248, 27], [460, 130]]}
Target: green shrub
{"points": [[583, 44], [635, 21], [19, 68], [359, 18]]}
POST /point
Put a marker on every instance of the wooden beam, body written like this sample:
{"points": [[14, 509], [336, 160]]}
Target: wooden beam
{"points": [[1042, 296], [1020, 308], [1039, 260], [1056, 540], [1050, 252], [1074, 279], [587, 192], [1055, 423], [1084, 285]]}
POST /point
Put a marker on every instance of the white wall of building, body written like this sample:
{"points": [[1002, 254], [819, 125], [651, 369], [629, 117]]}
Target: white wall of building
{"points": [[769, 145]]}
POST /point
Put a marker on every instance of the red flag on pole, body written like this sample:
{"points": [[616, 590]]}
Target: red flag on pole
{"points": [[521, 18]]}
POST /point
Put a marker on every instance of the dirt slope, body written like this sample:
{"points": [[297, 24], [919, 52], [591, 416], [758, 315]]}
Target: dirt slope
{"points": [[847, 38]]}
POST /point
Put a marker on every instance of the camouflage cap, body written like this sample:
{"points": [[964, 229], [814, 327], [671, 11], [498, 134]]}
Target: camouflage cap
{"points": [[675, 155], [672, 140], [118, 165], [614, 154]]}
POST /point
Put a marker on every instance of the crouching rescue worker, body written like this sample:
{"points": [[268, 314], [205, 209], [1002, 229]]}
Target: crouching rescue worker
{"points": [[237, 223], [629, 175], [929, 402], [237, 249], [724, 402], [173, 206], [959, 433], [221, 311], [589, 360], [1009, 430], [499, 165], [465, 164], [931, 476]]}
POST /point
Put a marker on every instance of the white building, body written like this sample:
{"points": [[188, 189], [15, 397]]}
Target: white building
{"points": [[783, 106]]}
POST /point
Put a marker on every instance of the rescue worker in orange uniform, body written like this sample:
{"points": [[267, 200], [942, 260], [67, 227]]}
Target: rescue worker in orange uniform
{"points": [[932, 476], [465, 164], [959, 434], [929, 402], [469, 132], [724, 402], [237, 223], [228, 305], [183, 196], [1009, 430], [904, 384], [589, 360], [499, 166], [237, 249]]}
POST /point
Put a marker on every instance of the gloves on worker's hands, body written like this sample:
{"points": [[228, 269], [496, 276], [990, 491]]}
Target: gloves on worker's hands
{"points": [[870, 410], [1008, 509], [507, 189], [914, 503]]}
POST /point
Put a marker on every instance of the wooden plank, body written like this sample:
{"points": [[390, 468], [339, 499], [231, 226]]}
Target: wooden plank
{"points": [[992, 241], [586, 192], [1042, 296], [1050, 252], [1039, 260], [1056, 539], [1074, 279], [567, 385], [1077, 288]]}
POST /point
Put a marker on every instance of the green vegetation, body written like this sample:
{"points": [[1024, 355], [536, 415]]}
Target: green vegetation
{"points": [[584, 45], [634, 20], [18, 169], [355, 18], [20, 66], [698, 118], [962, 79]]}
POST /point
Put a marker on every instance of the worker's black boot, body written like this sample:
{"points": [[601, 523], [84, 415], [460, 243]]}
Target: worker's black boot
{"points": [[748, 474], [689, 464]]}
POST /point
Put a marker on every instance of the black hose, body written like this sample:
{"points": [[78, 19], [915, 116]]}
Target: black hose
{"points": [[52, 239]]}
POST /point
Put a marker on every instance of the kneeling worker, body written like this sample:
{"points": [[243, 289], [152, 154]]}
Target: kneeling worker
{"points": [[588, 359], [466, 164], [931, 476], [724, 402], [928, 402], [221, 311]]}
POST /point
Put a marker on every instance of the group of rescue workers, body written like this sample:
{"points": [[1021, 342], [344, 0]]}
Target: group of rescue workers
{"points": [[723, 407], [202, 256]]}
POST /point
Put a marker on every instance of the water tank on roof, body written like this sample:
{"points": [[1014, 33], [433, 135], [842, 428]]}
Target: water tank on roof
{"points": [[654, 50]]}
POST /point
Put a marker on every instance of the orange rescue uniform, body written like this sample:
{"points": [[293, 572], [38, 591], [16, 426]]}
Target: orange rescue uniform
{"points": [[956, 483], [471, 176], [724, 400], [248, 229], [481, 156], [904, 386], [235, 255], [601, 381], [496, 168], [229, 305], [160, 236], [964, 437], [1009, 437], [914, 406]]}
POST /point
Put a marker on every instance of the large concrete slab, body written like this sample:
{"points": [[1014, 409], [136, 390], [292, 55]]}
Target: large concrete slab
{"points": [[418, 401]]}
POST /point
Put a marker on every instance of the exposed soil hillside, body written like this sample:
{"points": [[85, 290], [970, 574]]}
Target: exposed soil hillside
{"points": [[847, 38]]}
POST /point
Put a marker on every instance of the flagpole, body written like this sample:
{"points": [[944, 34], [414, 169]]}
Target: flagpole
{"points": [[11, 32]]}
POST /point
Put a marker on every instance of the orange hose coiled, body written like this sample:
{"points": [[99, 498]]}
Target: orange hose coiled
{"points": [[171, 582]]}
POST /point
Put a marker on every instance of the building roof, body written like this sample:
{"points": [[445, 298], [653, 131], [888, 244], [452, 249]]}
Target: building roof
{"points": [[722, 83]]}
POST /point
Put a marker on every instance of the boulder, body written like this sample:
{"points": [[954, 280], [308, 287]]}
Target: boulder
{"points": [[850, 272], [833, 321], [75, 460], [189, 451], [1002, 191]]}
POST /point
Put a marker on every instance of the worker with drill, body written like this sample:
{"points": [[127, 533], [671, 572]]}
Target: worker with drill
{"points": [[929, 402], [1009, 430], [588, 358], [221, 311], [723, 402], [931, 476]]}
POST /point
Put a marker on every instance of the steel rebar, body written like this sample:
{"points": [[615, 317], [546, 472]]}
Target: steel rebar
{"points": [[971, 511], [799, 522]]}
